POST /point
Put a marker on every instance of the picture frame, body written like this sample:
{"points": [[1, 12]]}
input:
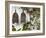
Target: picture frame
{"points": [[12, 6]]}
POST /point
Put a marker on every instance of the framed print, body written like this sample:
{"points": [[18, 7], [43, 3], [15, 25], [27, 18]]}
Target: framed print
{"points": [[24, 18]]}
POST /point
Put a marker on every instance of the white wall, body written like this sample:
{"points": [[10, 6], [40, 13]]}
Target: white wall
{"points": [[2, 19]]}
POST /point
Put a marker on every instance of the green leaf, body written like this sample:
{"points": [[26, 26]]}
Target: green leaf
{"points": [[19, 29], [13, 29]]}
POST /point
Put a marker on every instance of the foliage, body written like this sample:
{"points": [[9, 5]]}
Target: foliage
{"points": [[13, 29], [19, 29], [26, 26]]}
